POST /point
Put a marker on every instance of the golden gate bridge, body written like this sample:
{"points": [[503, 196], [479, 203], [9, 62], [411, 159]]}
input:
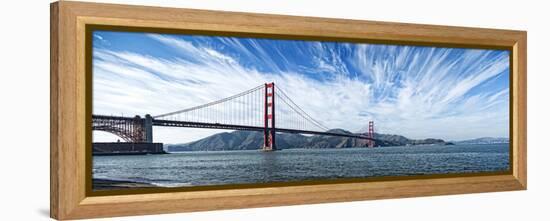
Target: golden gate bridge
{"points": [[265, 108]]}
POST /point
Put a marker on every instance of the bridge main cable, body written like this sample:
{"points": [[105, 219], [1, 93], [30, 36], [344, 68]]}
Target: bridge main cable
{"points": [[211, 103], [284, 97]]}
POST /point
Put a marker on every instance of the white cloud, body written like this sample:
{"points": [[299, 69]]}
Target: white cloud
{"points": [[425, 98]]}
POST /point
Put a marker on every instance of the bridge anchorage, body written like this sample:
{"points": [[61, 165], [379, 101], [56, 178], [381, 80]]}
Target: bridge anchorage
{"points": [[131, 130], [251, 110]]}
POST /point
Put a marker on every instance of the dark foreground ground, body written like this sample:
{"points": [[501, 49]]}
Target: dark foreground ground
{"points": [[105, 184]]}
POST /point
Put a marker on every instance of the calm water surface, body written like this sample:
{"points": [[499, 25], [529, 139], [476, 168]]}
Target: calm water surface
{"points": [[237, 167]]}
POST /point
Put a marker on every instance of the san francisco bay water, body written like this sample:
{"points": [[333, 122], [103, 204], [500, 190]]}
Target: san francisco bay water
{"points": [[240, 167]]}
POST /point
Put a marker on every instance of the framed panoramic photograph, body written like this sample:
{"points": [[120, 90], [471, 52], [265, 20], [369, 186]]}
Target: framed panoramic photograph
{"points": [[158, 110]]}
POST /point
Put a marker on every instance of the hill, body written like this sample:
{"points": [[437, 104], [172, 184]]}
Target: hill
{"points": [[252, 140], [484, 140]]}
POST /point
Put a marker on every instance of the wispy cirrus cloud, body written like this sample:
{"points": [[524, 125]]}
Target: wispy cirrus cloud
{"points": [[418, 92]]}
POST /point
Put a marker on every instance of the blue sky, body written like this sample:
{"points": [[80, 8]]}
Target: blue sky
{"points": [[418, 92]]}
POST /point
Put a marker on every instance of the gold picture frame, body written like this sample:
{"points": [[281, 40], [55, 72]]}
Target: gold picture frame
{"points": [[70, 195]]}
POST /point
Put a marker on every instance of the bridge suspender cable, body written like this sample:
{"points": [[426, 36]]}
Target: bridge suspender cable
{"points": [[211, 103], [244, 107]]}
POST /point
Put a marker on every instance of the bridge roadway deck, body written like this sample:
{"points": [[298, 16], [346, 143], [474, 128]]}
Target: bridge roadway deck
{"points": [[189, 124], [170, 123]]}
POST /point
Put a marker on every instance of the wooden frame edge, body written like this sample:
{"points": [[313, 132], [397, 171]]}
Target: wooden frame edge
{"points": [[235, 199], [68, 199], [65, 107], [520, 118], [54, 133]]}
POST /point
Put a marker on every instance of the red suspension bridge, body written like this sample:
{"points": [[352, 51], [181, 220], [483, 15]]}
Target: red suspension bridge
{"points": [[265, 108]]}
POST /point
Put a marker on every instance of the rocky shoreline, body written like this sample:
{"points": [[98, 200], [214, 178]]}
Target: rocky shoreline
{"points": [[106, 184]]}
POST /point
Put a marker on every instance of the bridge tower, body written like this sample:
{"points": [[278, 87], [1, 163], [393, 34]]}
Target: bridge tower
{"points": [[370, 134], [269, 118], [148, 127]]}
